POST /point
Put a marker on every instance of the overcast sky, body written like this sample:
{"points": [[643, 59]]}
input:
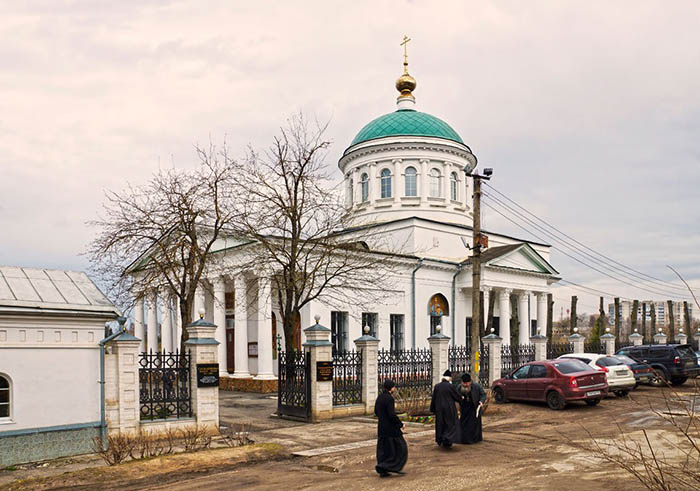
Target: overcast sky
{"points": [[589, 112]]}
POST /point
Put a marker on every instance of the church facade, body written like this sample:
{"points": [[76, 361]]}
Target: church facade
{"points": [[404, 176]]}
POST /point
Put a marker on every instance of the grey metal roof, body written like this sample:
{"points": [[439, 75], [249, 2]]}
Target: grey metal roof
{"points": [[46, 289]]}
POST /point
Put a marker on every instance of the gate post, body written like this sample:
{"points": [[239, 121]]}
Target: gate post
{"points": [[578, 341], [609, 342], [122, 407], [319, 346], [439, 344], [682, 337], [540, 343], [369, 346], [203, 350], [660, 337], [636, 338], [494, 344]]}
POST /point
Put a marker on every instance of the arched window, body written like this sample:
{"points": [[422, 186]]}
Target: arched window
{"points": [[4, 397], [386, 183], [453, 186], [364, 184], [435, 183], [411, 187], [437, 308]]}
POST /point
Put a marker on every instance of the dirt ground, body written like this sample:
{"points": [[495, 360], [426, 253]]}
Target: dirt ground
{"points": [[526, 446]]}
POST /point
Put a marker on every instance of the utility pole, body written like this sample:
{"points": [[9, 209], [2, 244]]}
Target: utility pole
{"points": [[477, 243]]}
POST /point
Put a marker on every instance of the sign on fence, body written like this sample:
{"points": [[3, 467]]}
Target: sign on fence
{"points": [[324, 371], [207, 374]]}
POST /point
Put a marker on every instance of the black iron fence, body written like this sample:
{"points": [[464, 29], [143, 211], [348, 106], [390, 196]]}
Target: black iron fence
{"points": [[596, 347], [484, 365], [294, 384], [514, 355], [555, 350], [347, 377], [410, 369], [459, 362], [164, 385]]}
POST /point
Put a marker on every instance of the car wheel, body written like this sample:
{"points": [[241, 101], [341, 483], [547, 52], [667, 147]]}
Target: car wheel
{"points": [[555, 400], [678, 380], [592, 402], [659, 378], [622, 393], [499, 395]]}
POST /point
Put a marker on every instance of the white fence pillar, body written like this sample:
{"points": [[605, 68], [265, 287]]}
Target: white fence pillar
{"points": [[540, 343], [609, 341], [494, 344], [439, 344], [578, 341], [319, 346], [660, 337], [204, 351], [369, 346], [122, 408], [636, 338]]}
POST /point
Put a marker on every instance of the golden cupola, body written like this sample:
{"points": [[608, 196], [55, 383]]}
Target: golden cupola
{"points": [[405, 84]]}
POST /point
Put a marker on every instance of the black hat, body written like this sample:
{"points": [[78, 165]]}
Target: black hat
{"points": [[389, 384], [466, 378], [447, 373]]}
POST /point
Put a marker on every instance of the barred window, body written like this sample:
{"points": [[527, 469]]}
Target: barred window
{"points": [[453, 186], [370, 319], [396, 327], [386, 183], [339, 331], [364, 184], [435, 183], [411, 187], [4, 397]]}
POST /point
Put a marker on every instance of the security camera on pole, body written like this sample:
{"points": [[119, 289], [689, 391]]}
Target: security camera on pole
{"points": [[478, 242]]}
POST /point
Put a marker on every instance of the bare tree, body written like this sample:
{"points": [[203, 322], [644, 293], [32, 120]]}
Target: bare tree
{"points": [[161, 234], [304, 235]]}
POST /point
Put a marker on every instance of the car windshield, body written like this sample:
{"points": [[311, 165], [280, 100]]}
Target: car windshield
{"points": [[571, 366], [608, 361], [626, 360]]}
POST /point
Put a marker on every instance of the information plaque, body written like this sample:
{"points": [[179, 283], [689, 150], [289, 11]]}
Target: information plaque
{"points": [[207, 374], [324, 371]]}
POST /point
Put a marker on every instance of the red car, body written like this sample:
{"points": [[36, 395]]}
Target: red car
{"points": [[556, 382]]}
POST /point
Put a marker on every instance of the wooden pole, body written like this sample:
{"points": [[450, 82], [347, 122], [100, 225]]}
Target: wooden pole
{"points": [[573, 319], [476, 266], [550, 317]]}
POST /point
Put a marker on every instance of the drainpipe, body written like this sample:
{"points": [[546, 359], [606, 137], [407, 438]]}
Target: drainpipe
{"points": [[413, 302], [454, 305], [103, 419]]}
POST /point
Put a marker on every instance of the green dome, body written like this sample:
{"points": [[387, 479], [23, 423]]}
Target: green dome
{"points": [[406, 122]]}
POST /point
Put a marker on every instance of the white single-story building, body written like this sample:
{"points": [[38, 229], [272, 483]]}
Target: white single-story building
{"points": [[51, 325]]}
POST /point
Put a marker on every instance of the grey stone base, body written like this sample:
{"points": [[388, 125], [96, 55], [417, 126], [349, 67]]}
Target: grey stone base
{"points": [[23, 446]]}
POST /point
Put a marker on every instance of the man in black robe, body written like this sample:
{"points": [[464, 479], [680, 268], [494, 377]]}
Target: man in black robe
{"points": [[470, 408], [392, 451], [443, 406]]}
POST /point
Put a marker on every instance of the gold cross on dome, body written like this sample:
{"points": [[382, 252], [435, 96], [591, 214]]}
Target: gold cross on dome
{"points": [[404, 43]]}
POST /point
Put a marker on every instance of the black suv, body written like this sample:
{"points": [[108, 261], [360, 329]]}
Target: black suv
{"points": [[671, 362]]}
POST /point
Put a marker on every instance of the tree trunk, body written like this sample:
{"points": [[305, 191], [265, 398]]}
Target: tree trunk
{"points": [[644, 322], [671, 322], [633, 316], [550, 317], [617, 317], [573, 318], [653, 321]]}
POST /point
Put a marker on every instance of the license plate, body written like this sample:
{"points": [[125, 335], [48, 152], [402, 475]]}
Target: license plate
{"points": [[593, 393], [621, 373]]}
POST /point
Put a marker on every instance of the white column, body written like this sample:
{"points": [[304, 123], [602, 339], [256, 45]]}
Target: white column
{"points": [[356, 185], [397, 182], [152, 339], [504, 315], [446, 170], [241, 330], [542, 313], [373, 184], [487, 294], [423, 186], [166, 326], [524, 318], [220, 321], [199, 298], [177, 324], [264, 329], [138, 323]]}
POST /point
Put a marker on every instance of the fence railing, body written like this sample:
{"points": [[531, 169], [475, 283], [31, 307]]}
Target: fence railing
{"points": [[555, 350], [514, 355], [459, 362], [484, 366], [409, 369], [164, 385], [596, 347], [347, 377], [294, 384]]}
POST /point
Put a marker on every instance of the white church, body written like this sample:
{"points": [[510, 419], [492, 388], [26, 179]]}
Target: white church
{"points": [[404, 174]]}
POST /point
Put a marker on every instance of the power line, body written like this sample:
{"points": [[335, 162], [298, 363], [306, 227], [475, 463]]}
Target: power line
{"points": [[649, 277], [569, 255], [603, 264]]}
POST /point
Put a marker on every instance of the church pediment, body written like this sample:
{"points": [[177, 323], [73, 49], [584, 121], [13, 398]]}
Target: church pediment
{"points": [[517, 256]]}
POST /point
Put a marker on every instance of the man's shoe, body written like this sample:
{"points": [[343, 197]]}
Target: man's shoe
{"points": [[384, 474]]}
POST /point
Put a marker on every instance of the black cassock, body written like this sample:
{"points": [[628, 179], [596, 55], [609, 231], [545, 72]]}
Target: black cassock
{"points": [[469, 424], [392, 451], [443, 407]]}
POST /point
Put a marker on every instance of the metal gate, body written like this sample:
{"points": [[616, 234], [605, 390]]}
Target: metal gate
{"points": [[294, 384]]}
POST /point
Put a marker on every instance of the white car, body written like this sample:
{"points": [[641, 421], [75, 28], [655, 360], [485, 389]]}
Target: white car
{"points": [[618, 375]]}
